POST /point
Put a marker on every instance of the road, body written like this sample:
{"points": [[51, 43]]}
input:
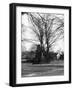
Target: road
{"points": [[30, 70]]}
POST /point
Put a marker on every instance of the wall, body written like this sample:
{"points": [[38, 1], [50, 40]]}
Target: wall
{"points": [[4, 44]]}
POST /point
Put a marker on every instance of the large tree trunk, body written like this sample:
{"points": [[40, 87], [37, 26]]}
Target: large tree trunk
{"points": [[41, 51], [47, 58]]}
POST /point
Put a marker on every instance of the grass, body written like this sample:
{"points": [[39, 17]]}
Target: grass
{"points": [[54, 68]]}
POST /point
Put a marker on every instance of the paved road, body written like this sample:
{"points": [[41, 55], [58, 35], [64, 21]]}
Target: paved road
{"points": [[29, 70]]}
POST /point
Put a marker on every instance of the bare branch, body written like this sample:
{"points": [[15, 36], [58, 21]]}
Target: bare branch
{"points": [[29, 40], [58, 29], [55, 39]]}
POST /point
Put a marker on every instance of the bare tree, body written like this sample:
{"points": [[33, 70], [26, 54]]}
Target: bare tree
{"points": [[48, 29]]}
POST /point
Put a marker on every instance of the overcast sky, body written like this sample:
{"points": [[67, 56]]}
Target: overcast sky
{"points": [[28, 33]]}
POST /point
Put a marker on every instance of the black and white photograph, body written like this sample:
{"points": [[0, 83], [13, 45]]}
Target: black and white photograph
{"points": [[42, 44]]}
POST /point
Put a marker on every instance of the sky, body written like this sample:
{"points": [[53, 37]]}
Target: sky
{"points": [[28, 33]]}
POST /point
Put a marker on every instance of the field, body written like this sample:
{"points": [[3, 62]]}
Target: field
{"points": [[55, 68]]}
